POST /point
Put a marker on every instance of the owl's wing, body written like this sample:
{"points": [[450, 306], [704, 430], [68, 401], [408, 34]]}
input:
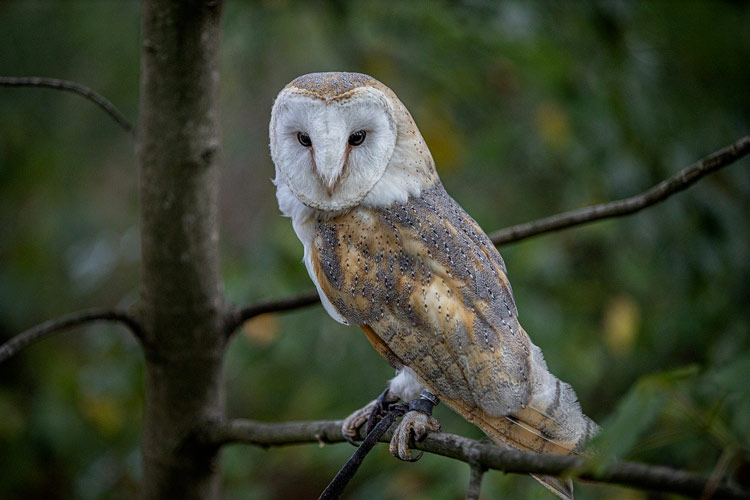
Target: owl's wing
{"points": [[431, 292], [429, 282]]}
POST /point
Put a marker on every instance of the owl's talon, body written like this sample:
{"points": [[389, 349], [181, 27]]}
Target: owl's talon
{"points": [[369, 415], [414, 426], [349, 439]]}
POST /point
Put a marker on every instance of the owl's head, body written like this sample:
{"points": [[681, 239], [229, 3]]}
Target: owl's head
{"points": [[333, 136]]}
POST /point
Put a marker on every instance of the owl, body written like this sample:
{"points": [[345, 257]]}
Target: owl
{"points": [[389, 250]]}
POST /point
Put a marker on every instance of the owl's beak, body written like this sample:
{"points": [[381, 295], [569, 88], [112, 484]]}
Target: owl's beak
{"points": [[330, 183], [330, 166], [331, 187]]}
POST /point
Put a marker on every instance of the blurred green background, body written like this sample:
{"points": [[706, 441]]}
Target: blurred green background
{"points": [[529, 109]]}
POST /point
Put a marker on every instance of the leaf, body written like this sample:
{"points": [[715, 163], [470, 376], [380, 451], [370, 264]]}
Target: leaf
{"points": [[732, 381], [734, 377], [635, 413], [104, 412], [622, 319], [553, 125], [262, 329]]}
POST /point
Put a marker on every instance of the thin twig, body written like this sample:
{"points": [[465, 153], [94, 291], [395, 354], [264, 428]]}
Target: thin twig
{"points": [[23, 339], [678, 182], [660, 192], [475, 482], [77, 88], [276, 305], [634, 475]]}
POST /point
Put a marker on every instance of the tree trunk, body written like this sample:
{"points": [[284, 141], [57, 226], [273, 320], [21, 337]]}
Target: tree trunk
{"points": [[181, 307]]}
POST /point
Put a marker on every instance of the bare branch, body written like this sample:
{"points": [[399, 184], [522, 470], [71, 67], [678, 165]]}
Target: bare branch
{"points": [[23, 339], [277, 305], [678, 182], [475, 482], [477, 453], [660, 192], [77, 88]]}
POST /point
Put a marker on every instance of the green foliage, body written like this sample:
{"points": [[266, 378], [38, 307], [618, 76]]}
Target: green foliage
{"points": [[635, 413], [529, 108], [734, 396]]}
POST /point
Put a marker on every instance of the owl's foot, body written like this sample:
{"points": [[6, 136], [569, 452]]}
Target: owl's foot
{"points": [[369, 414], [414, 426]]}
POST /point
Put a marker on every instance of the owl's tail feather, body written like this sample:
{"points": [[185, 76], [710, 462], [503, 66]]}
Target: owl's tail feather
{"points": [[521, 431], [525, 431], [563, 488], [551, 422]]}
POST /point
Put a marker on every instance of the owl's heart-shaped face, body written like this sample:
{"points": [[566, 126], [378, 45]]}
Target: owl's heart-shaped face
{"points": [[332, 151]]}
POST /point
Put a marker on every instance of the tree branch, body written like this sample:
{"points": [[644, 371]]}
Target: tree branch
{"points": [[76, 88], [239, 316], [678, 182], [23, 339], [660, 192], [475, 482], [477, 454]]}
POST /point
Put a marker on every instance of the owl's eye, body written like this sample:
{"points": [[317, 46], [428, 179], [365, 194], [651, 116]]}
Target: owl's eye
{"points": [[357, 138], [304, 139]]}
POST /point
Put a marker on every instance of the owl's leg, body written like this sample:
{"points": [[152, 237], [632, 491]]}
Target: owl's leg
{"points": [[418, 420], [368, 414], [404, 386], [415, 425]]}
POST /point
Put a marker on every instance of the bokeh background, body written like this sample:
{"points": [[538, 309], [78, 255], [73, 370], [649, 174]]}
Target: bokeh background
{"points": [[529, 108]]}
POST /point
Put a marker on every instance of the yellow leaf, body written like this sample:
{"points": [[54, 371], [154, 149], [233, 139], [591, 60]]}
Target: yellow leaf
{"points": [[261, 329], [622, 319], [552, 124], [103, 412]]}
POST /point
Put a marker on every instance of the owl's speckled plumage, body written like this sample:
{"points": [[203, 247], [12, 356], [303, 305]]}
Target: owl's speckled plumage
{"points": [[405, 262]]}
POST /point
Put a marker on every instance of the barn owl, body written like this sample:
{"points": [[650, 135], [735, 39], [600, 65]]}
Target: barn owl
{"points": [[389, 250]]}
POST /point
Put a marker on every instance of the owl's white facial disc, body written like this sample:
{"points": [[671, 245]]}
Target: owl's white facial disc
{"points": [[315, 145]]}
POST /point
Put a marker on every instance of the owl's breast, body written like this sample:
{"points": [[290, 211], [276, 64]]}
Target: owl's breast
{"points": [[360, 266]]}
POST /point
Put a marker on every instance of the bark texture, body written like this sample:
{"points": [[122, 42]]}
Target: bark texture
{"points": [[181, 307]]}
